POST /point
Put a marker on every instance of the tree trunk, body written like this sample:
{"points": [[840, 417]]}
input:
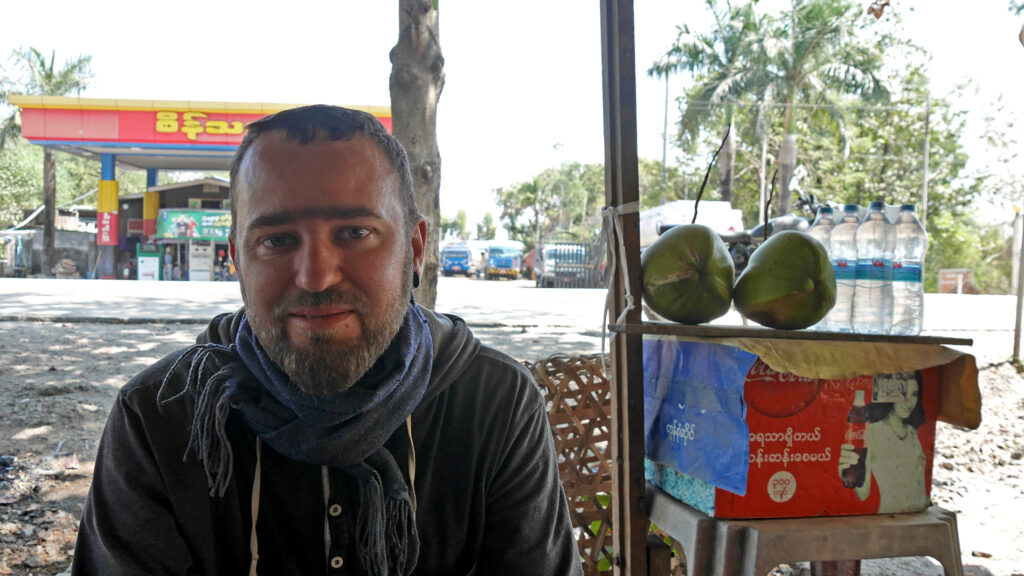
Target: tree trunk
{"points": [[727, 161], [787, 165], [417, 77], [50, 212]]}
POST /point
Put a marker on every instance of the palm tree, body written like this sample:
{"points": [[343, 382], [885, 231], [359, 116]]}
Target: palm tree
{"points": [[816, 61], [809, 57], [42, 77], [726, 67]]}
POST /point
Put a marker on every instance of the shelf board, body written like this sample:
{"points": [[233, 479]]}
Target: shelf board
{"points": [[719, 331]]}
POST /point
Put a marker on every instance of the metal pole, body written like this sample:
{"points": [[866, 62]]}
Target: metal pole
{"points": [[1020, 303], [762, 194], [1017, 231], [664, 138], [924, 180]]}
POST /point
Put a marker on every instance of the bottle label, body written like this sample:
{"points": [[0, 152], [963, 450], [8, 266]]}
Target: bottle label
{"points": [[907, 272], [845, 269], [874, 269]]}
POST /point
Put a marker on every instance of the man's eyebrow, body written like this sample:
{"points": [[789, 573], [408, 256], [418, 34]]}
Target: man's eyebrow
{"points": [[287, 216]]}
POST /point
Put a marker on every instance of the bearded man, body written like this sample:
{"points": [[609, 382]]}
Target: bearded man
{"points": [[331, 426]]}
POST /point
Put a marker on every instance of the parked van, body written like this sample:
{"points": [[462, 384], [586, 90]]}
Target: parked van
{"points": [[457, 259], [503, 260]]}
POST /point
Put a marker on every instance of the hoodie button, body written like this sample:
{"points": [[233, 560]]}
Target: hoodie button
{"points": [[336, 562], [334, 510]]}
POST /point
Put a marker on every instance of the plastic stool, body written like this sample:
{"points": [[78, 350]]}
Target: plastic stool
{"points": [[720, 547]]}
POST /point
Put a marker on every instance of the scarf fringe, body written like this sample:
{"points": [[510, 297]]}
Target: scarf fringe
{"points": [[387, 519], [208, 437]]}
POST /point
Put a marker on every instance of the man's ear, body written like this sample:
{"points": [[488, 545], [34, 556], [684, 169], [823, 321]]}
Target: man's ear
{"points": [[419, 240]]}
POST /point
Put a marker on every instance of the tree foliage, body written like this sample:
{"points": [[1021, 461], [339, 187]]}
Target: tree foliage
{"points": [[805, 62], [567, 199], [18, 187], [29, 72], [859, 98], [454, 228], [21, 181], [485, 228]]}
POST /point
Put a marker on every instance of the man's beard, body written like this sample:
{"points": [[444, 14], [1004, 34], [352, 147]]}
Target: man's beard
{"points": [[328, 366]]}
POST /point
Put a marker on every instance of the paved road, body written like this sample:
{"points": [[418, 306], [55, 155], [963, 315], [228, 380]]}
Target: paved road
{"points": [[480, 302], [526, 322], [486, 305]]}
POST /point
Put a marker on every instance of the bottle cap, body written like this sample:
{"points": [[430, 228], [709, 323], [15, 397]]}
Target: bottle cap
{"points": [[824, 210], [876, 205], [907, 208]]}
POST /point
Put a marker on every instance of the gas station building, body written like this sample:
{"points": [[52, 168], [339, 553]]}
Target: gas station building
{"points": [[185, 224]]}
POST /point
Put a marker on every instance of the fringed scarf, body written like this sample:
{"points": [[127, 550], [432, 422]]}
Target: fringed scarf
{"points": [[346, 431]]}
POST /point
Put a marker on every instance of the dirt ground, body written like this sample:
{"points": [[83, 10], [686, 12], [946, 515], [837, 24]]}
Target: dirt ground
{"points": [[58, 380]]}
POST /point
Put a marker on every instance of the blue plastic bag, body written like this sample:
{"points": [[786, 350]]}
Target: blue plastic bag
{"points": [[694, 415]]}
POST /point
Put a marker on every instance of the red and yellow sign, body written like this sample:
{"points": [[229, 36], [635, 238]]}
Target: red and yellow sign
{"points": [[106, 213], [51, 118]]}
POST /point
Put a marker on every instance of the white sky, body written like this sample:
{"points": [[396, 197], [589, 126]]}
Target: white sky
{"points": [[521, 76]]}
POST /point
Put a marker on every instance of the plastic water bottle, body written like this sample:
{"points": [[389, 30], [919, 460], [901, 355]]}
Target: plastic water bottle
{"points": [[907, 273], [843, 252], [872, 301], [821, 230]]}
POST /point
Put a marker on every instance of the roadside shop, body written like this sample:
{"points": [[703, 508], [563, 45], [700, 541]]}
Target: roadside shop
{"points": [[190, 237]]}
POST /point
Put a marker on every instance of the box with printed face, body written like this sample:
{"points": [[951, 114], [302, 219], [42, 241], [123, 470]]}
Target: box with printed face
{"points": [[733, 438]]}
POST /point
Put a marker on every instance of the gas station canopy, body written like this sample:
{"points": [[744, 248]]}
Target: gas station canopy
{"points": [[148, 134]]}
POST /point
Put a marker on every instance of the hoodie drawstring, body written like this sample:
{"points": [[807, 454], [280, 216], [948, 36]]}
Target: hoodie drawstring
{"points": [[412, 464], [254, 547]]}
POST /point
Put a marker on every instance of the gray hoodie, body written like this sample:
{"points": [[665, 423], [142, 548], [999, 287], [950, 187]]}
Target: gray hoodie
{"points": [[489, 499]]}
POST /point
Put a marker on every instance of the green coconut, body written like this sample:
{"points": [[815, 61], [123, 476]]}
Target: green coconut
{"points": [[788, 282], [688, 275]]}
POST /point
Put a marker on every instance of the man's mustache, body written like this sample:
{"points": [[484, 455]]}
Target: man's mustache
{"points": [[327, 298]]}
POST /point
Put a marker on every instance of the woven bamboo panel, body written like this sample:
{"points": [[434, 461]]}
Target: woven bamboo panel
{"points": [[579, 410], [579, 402]]}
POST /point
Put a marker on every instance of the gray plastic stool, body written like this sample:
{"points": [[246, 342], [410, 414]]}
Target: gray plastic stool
{"points": [[753, 547]]}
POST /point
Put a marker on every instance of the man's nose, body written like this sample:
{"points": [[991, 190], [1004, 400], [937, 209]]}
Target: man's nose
{"points": [[318, 266]]}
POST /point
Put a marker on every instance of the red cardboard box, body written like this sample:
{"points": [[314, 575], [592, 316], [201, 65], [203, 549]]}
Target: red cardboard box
{"points": [[799, 452]]}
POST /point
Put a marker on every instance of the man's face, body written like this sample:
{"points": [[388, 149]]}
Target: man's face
{"points": [[323, 257]]}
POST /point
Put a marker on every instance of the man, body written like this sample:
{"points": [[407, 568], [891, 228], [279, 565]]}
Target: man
{"points": [[332, 426]]}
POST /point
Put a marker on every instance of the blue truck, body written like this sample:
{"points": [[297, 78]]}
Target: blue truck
{"points": [[503, 261], [457, 259]]}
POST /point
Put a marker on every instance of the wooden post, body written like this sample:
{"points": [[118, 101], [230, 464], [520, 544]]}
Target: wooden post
{"points": [[629, 518]]}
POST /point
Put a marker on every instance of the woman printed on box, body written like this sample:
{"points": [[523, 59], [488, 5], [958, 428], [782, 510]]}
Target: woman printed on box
{"points": [[894, 455]]}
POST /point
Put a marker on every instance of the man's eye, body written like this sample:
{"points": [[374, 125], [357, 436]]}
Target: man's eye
{"points": [[276, 241], [355, 232]]}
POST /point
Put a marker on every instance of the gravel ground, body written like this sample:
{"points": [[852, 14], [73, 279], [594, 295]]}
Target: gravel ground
{"points": [[57, 382]]}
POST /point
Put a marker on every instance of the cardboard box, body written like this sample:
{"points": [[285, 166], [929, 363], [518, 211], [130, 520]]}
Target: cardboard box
{"points": [[734, 438]]}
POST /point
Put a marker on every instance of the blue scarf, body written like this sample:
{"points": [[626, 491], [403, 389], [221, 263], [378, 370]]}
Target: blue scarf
{"points": [[346, 431]]}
